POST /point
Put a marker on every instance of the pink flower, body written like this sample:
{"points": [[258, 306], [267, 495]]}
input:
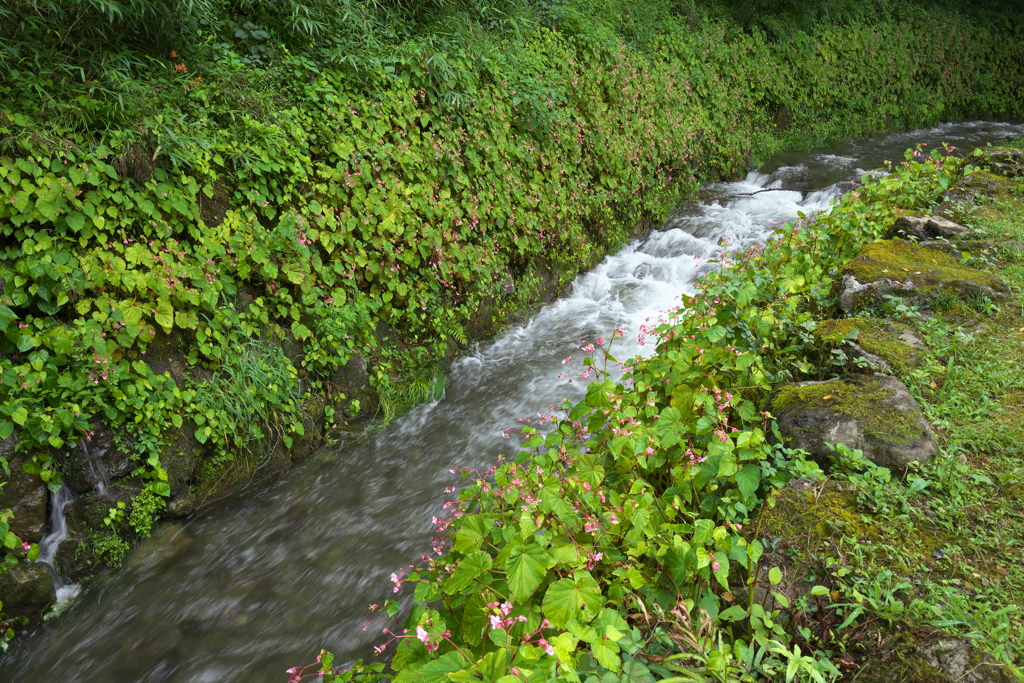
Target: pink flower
{"points": [[422, 634]]}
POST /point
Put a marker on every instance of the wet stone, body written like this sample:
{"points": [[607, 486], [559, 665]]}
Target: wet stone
{"points": [[925, 228], [873, 413], [24, 495], [27, 591], [97, 461]]}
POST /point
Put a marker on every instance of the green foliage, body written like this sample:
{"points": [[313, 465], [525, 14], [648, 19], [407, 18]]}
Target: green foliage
{"points": [[367, 174], [248, 406], [632, 504]]}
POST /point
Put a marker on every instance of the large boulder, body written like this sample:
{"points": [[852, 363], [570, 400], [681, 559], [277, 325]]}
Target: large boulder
{"points": [[904, 269], [1004, 161], [24, 495], [26, 590], [922, 228], [873, 413]]}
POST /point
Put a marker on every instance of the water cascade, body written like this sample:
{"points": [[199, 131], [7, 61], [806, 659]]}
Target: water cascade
{"points": [[259, 583], [99, 476]]}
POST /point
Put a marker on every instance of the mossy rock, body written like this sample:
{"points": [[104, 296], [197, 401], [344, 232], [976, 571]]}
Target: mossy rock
{"points": [[976, 250], [26, 591], [1004, 161], [899, 268], [92, 545], [873, 413], [806, 514], [925, 655], [23, 494], [920, 228], [881, 346]]}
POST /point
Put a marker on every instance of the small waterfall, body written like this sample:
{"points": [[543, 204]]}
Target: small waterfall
{"points": [[58, 526], [58, 531], [96, 469]]}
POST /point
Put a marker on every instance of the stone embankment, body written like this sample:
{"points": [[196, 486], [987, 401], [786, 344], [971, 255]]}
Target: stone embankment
{"points": [[929, 264]]}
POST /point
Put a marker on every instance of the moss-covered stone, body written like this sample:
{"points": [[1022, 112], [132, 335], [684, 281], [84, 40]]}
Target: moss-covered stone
{"points": [[912, 654], [899, 268], [850, 399], [878, 337], [26, 591], [807, 515], [872, 413], [1005, 161], [92, 545]]}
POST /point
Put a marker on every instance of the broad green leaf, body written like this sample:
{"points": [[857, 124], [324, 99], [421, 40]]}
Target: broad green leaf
{"points": [[775, 576], [164, 315], [471, 566], [607, 654], [681, 563], [525, 568], [437, 671], [470, 534], [576, 598], [748, 479]]}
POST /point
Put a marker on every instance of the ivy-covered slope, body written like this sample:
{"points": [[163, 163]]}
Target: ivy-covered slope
{"points": [[283, 224]]}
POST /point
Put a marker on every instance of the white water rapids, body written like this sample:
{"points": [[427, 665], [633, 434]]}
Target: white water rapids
{"points": [[262, 582]]}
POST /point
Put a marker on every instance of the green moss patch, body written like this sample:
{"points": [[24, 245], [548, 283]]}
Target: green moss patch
{"points": [[876, 336], [929, 270], [857, 397], [809, 519]]}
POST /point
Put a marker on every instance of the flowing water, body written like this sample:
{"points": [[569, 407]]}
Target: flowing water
{"points": [[262, 582]]}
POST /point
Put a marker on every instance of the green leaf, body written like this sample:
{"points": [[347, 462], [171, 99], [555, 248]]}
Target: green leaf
{"points": [[775, 576], [437, 671], [472, 565], [470, 534], [748, 479], [525, 568], [681, 563], [76, 221], [19, 416], [475, 617], [607, 654], [576, 598], [164, 315]]}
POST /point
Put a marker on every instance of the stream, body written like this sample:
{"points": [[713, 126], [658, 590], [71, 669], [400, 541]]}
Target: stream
{"points": [[259, 583]]}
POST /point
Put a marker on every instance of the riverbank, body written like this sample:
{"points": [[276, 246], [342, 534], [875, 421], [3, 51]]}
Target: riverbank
{"points": [[219, 251], [663, 530]]}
